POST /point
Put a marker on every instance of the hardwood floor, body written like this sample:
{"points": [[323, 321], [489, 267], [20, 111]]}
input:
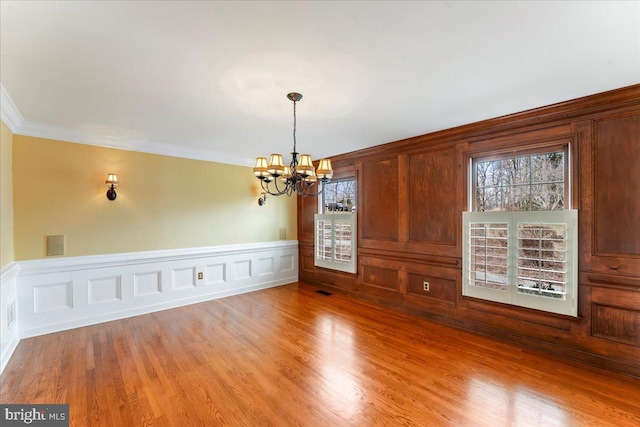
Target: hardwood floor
{"points": [[290, 356]]}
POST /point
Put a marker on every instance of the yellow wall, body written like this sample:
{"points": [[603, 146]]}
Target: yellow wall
{"points": [[163, 202], [6, 196]]}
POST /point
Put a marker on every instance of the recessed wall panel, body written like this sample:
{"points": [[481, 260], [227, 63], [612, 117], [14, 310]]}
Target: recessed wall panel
{"points": [[147, 283], [216, 273], [616, 323], [433, 197], [11, 314], [439, 288], [265, 266], [53, 297], [184, 278], [242, 269], [380, 200], [381, 277], [105, 290], [617, 185], [286, 263]]}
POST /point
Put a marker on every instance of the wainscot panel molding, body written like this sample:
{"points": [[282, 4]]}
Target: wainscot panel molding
{"points": [[9, 335], [63, 293]]}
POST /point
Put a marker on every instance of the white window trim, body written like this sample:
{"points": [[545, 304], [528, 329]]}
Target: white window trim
{"points": [[351, 219], [568, 306]]}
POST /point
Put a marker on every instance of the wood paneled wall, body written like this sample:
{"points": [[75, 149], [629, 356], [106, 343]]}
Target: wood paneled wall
{"points": [[411, 197]]}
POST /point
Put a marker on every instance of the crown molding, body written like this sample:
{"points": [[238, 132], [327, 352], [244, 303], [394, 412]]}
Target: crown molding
{"points": [[18, 125], [42, 130], [8, 111]]}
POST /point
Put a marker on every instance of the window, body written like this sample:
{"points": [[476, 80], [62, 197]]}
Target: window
{"points": [[520, 240], [335, 227], [534, 182], [338, 196]]}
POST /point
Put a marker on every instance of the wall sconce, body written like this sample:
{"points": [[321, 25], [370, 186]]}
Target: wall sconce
{"points": [[262, 199], [112, 183]]}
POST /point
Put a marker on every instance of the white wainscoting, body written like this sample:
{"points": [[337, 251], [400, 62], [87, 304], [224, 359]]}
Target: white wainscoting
{"points": [[9, 335], [62, 293]]}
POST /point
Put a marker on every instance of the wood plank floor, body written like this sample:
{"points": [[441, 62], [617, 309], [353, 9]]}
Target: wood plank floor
{"points": [[289, 356]]}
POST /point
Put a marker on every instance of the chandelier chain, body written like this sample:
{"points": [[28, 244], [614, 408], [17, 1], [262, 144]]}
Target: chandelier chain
{"points": [[294, 126]]}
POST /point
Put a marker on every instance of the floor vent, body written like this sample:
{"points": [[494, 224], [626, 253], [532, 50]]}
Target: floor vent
{"points": [[324, 292]]}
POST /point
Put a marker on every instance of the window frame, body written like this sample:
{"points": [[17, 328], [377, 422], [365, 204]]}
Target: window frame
{"points": [[337, 216], [486, 151]]}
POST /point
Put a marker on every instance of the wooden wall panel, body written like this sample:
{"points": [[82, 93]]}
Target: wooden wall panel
{"points": [[615, 323], [433, 196], [411, 197], [615, 314], [379, 218], [307, 208], [617, 187], [381, 277], [307, 264], [439, 288]]}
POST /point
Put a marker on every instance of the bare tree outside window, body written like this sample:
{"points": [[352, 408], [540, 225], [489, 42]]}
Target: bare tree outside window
{"points": [[339, 196], [524, 183]]}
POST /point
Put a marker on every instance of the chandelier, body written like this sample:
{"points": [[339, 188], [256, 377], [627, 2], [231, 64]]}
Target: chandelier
{"points": [[299, 177]]}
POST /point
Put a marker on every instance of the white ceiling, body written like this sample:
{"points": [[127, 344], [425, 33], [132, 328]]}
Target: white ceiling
{"points": [[209, 79]]}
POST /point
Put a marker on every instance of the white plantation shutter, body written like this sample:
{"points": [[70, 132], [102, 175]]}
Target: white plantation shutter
{"points": [[523, 258], [487, 242], [542, 259], [336, 241], [324, 240]]}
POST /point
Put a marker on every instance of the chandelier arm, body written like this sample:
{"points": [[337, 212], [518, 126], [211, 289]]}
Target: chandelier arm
{"points": [[265, 188], [268, 190], [285, 190], [304, 189]]}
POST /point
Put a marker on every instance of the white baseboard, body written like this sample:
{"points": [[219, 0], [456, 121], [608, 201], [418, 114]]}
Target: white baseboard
{"points": [[57, 294]]}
